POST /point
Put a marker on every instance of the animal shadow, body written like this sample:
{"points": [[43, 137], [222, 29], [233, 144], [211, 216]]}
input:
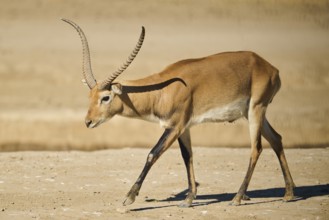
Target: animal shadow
{"points": [[301, 192]]}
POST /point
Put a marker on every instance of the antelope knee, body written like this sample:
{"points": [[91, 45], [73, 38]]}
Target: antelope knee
{"points": [[150, 158]]}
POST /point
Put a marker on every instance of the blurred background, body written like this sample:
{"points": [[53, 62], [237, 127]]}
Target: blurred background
{"points": [[43, 102]]}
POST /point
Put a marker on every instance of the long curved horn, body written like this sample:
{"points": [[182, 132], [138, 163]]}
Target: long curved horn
{"points": [[86, 65], [124, 66]]}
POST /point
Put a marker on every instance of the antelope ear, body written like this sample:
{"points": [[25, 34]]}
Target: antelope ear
{"points": [[117, 88]]}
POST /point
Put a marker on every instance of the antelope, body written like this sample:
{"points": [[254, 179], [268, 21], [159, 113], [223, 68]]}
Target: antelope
{"points": [[218, 88]]}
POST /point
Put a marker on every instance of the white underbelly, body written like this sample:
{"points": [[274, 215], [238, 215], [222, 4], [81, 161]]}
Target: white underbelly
{"points": [[229, 112], [154, 119]]}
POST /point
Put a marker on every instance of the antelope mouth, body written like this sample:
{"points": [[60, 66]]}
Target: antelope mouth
{"points": [[93, 124]]}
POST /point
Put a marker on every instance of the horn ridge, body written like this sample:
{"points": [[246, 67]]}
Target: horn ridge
{"points": [[125, 65], [86, 63]]}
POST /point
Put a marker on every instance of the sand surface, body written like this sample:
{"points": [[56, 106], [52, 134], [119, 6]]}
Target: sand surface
{"points": [[81, 185]]}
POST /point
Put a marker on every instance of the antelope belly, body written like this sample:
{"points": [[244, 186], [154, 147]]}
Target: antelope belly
{"points": [[229, 112]]}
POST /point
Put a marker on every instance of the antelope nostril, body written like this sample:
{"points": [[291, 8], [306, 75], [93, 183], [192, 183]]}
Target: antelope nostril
{"points": [[88, 123]]}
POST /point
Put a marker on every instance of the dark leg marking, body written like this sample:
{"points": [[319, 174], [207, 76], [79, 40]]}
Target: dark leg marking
{"points": [[186, 150], [164, 142]]}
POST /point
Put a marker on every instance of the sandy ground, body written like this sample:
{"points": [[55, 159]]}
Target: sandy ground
{"points": [[80, 185]]}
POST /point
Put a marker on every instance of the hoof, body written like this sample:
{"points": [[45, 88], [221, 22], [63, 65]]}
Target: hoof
{"points": [[245, 197], [291, 198], [129, 200], [235, 203], [131, 196], [185, 204], [188, 200]]}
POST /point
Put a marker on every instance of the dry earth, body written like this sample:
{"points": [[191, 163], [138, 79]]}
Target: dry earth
{"points": [[81, 185]]}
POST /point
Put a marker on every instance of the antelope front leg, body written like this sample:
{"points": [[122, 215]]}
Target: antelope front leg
{"points": [[186, 150], [168, 137]]}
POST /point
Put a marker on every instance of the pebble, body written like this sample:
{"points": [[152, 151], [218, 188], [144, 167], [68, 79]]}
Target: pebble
{"points": [[204, 212], [122, 210]]}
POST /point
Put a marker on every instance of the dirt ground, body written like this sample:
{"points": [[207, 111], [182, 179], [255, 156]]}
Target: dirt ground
{"points": [[93, 185], [49, 164]]}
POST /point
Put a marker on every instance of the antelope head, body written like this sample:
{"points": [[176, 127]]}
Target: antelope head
{"points": [[103, 98]]}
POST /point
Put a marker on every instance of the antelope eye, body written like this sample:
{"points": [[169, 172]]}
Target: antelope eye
{"points": [[105, 99]]}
